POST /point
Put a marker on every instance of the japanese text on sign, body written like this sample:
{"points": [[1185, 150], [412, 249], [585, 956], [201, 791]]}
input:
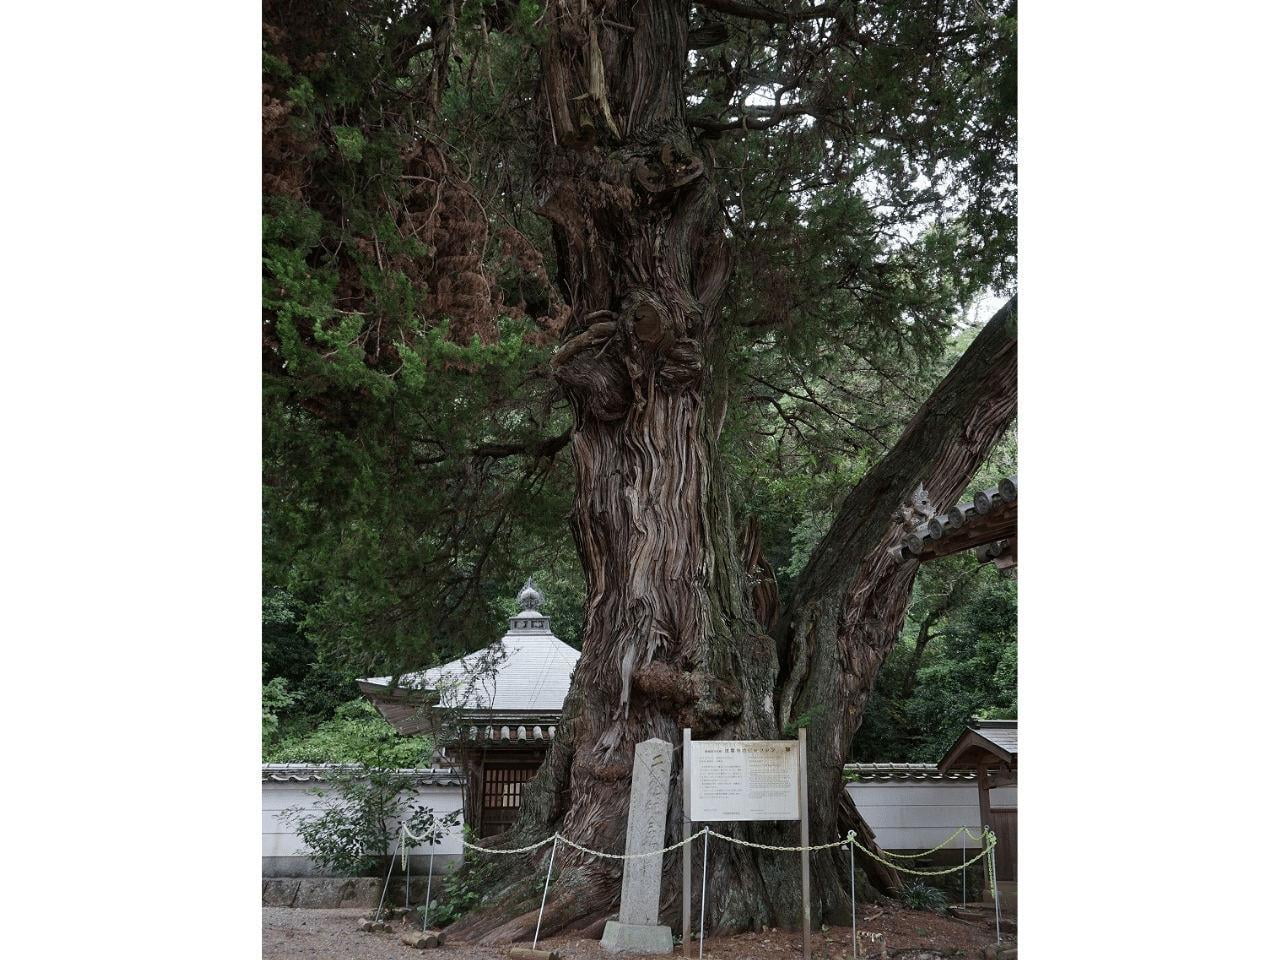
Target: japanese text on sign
{"points": [[744, 780]]}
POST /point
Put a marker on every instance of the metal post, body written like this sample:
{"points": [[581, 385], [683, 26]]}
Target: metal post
{"points": [[964, 871], [408, 866], [391, 866], [431, 869], [804, 835], [545, 887], [686, 852], [997, 913], [702, 918], [853, 899], [995, 886]]}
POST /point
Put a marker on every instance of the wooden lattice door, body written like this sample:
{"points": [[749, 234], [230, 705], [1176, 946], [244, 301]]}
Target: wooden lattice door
{"points": [[500, 798]]}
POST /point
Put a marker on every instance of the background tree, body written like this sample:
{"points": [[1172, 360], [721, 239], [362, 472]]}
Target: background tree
{"points": [[452, 189]]}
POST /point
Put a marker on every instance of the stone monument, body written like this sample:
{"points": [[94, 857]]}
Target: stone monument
{"points": [[637, 929]]}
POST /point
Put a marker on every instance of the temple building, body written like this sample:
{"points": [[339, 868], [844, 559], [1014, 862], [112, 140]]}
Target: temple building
{"points": [[494, 711]]}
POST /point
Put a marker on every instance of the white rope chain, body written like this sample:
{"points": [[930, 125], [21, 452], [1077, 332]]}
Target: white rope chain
{"points": [[986, 851], [632, 856], [924, 853], [577, 846], [529, 849], [767, 846]]}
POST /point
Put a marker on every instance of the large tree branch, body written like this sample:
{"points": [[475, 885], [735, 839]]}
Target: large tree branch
{"points": [[941, 448], [759, 11], [851, 598], [545, 447], [756, 118], [542, 447]]}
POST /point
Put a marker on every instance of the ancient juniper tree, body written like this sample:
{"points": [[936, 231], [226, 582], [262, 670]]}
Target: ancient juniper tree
{"points": [[667, 199]]}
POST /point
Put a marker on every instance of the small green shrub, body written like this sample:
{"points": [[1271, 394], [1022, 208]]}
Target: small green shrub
{"points": [[462, 889], [356, 823], [918, 896]]}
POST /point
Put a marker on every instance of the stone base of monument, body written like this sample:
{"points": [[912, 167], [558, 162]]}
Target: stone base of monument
{"points": [[637, 938]]}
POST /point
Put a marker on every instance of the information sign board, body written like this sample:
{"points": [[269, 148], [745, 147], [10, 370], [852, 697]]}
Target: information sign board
{"points": [[744, 780]]}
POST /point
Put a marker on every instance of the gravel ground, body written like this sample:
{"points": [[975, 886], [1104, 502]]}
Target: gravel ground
{"points": [[295, 934]]}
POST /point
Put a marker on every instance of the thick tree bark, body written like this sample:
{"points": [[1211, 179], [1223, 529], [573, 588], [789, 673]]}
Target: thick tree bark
{"points": [[670, 639]]}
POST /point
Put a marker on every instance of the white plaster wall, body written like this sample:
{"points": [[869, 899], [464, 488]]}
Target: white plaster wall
{"points": [[904, 815], [918, 815], [280, 840]]}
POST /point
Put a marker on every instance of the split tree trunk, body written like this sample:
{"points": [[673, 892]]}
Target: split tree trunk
{"points": [[670, 639]]}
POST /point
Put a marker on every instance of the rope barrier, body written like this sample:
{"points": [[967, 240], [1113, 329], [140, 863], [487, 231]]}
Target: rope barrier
{"points": [[849, 842], [987, 851], [991, 873], [925, 853], [628, 856], [567, 842], [529, 849], [767, 846]]}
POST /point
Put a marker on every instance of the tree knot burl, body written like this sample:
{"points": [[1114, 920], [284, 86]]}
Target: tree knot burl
{"points": [[708, 702], [666, 171]]}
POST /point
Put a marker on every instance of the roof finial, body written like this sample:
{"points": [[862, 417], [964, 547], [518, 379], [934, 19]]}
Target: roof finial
{"points": [[529, 597]]}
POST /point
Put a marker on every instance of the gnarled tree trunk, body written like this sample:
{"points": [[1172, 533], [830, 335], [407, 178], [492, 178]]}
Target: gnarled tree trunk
{"points": [[670, 639]]}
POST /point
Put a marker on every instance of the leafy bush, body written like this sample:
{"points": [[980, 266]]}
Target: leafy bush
{"points": [[356, 734], [276, 696], [466, 887], [918, 896], [362, 811], [462, 889]]}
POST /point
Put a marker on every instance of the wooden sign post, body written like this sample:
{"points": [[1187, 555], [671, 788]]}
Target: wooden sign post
{"points": [[736, 780]]}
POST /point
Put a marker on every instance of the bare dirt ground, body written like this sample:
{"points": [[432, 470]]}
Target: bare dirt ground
{"points": [[298, 934]]}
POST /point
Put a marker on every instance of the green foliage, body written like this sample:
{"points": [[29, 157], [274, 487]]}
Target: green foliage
{"points": [[275, 697], [412, 297], [810, 431], [462, 889], [803, 721], [404, 346], [472, 884], [356, 734], [362, 810], [918, 896]]}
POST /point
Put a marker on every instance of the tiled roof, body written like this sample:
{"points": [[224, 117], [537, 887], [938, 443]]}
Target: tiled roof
{"points": [[987, 522], [905, 771], [1003, 733], [983, 743], [527, 670], [509, 731], [307, 772]]}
